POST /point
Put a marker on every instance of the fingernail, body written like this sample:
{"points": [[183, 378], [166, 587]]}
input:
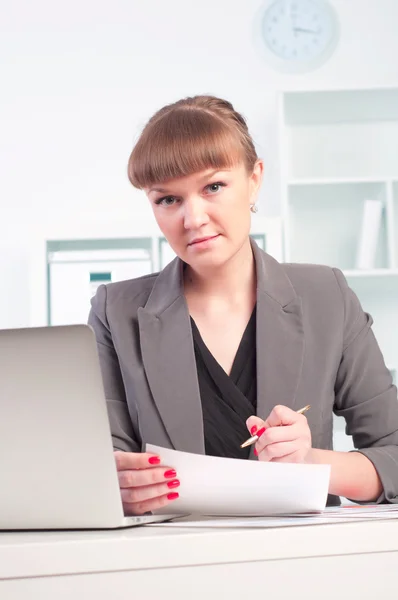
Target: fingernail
{"points": [[154, 460], [253, 429], [173, 484], [261, 431], [170, 474], [173, 496], [255, 452]]}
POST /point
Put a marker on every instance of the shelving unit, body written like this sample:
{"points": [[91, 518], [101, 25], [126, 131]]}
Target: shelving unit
{"points": [[75, 268], [339, 148], [66, 269], [325, 219]]}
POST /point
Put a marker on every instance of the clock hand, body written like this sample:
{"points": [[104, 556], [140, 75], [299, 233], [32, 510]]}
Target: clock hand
{"points": [[302, 30]]}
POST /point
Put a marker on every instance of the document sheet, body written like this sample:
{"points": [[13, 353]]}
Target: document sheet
{"points": [[232, 487], [332, 515]]}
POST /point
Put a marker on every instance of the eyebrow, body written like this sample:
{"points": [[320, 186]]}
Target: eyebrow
{"points": [[207, 176], [160, 190]]}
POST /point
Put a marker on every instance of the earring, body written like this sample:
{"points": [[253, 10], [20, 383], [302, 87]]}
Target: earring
{"points": [[253, 208]]}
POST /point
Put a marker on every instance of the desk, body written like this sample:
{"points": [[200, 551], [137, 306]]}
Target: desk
{"points": [[339, 561]]}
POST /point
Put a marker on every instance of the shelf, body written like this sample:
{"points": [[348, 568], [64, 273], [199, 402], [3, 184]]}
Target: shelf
{"points": [[338, 181], [339, 148], [369, 149], [76, 267], [325, 223], [371, 273], [340, 106]]}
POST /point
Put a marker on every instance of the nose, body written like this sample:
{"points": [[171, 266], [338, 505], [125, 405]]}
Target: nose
{"points": [[195, 214]]}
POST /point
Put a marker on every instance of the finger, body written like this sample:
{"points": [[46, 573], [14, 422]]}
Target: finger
{"points": [[135, 460], [275, 435], [254, 424], [295, 457], [282, 415], [274, 451], [140, 508], [140, 477], [147, 492]]}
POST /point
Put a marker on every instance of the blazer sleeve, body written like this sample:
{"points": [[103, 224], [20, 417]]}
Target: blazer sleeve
{"points": [[365, 395], [123, 435]]}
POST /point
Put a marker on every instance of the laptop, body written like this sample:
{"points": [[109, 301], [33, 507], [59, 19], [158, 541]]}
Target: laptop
{"points": [[57, 469]]}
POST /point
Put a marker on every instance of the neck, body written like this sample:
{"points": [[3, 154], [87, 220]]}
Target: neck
{"points": [[231, 282]]}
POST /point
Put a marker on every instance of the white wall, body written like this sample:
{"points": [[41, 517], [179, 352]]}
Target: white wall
{"points": [[79, 80]]}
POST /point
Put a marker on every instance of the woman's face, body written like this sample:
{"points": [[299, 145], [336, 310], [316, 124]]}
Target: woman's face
{"points": [[205, 217]]}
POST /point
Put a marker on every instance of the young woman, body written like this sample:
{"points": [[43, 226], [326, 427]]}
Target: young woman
{"points": [[226, 341]]}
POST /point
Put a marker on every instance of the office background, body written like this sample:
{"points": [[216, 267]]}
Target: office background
{"points": [[79, 80]]}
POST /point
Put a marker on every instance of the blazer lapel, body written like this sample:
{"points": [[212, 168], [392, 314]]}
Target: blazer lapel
{"points": [[280, 336], [169, 360]]}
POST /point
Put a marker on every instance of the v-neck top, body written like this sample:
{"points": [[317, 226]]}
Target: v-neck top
{"points": [[227, 400]]}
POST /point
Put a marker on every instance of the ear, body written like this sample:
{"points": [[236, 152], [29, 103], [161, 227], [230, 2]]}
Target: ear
{"points": [[256, 178]]}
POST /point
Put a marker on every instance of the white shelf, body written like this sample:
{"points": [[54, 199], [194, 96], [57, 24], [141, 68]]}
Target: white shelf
{"points": [[338, 181], [341, 106], [371, 273], [324, 222], [339, 148], [345, 150]]}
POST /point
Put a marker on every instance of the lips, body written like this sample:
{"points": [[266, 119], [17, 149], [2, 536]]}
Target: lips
{"points": [[203, 239]]}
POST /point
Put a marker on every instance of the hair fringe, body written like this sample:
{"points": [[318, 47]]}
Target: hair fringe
{"points": [[187, 137]]}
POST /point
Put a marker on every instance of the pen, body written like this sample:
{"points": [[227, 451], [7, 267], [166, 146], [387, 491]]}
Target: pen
{"points": [[254, 438]]}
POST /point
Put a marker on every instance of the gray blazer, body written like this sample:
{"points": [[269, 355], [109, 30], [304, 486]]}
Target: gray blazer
{"points": [[315, 346]]}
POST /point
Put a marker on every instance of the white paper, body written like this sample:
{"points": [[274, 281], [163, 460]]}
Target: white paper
{"points": [[331, 515], [232, 487], [250, 522], [352, 512]]}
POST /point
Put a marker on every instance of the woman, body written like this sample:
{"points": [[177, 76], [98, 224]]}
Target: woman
{"points": [[226, 341]]}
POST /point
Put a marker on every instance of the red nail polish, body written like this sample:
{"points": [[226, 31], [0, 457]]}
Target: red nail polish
{"points": [[253, 429], [170, 474], [173, 484], [173, 496], [154, 460], [260, 431], [255, 452]]}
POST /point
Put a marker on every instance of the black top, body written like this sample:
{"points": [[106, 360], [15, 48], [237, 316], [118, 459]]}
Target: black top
{"points": [[227, 400]]}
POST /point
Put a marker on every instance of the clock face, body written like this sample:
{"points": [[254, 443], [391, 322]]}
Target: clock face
{"points": [[299, 31]]}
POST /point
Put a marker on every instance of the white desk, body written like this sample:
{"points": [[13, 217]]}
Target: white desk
{"points": [[339, 561]]}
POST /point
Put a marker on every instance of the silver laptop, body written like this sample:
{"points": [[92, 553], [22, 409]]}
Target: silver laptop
{"points": [[57, 469]]}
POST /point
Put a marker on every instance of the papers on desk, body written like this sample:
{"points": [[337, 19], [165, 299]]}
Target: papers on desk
{"points": [[352, 512], [332, 515], [232, 487]]}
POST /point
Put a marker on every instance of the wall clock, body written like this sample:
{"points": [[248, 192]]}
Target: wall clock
{"points": [[298, 35]]}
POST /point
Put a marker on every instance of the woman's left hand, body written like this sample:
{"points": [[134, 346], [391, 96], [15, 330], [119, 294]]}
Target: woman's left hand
{"points": [[284, 436]]}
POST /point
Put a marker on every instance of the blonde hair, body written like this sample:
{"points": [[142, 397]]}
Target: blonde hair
{"points": [[189, 136]]}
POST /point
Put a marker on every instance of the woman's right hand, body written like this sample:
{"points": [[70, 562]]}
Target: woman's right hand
{"points": [[144, 486]]}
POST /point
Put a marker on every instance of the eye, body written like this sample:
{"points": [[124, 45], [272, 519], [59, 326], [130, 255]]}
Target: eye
{"points": [[166, 201], [215, 187]]}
